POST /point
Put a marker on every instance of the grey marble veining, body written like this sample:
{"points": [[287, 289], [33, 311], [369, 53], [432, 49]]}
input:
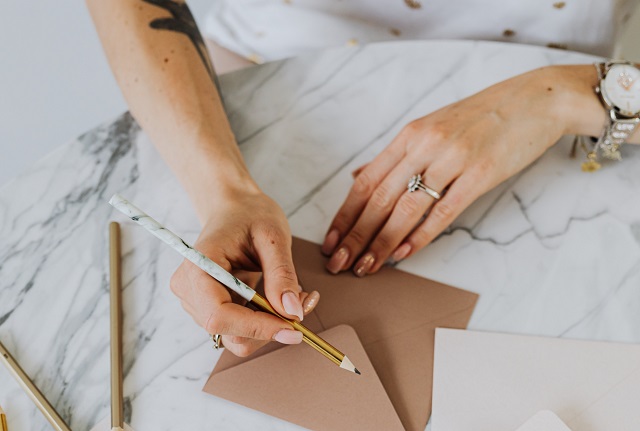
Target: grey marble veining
{"points": [[552, 251]]}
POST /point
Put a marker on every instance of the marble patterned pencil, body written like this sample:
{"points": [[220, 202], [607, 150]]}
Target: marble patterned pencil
{"points": [[221, 275]]}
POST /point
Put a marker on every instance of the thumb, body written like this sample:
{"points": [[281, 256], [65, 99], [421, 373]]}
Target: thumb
{"points": [[280, 279]]}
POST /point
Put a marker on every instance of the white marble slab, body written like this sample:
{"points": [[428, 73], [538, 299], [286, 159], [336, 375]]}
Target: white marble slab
{"points": [[552, 251]]}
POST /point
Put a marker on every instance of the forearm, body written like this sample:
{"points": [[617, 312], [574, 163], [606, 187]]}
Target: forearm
{"points": [[581, 108], [164, 72]]}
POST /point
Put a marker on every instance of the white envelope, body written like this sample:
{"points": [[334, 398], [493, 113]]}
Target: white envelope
{"points": [[496, 382], [544, 421]]}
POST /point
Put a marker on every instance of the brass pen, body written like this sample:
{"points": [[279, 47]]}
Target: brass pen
{"points": [[115, 301], [217, 272], [32, 391], [3, 421]]}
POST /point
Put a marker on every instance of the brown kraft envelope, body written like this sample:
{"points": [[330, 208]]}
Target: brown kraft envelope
{"points": [[394, 315]]}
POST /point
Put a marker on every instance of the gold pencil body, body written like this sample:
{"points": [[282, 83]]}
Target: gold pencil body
{"points": [[3, 421], [32, 391], [308, 336], [115, 296]]}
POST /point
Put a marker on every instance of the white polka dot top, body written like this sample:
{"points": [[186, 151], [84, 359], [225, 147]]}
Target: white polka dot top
{"points": [[264, 30]]}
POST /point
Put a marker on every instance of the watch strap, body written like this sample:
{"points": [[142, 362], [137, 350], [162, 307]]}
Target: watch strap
{"points": [[616, 133]]}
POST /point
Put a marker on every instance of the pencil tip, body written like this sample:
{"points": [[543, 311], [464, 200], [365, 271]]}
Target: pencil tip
{"points": [[348, 365], [357, 371]]}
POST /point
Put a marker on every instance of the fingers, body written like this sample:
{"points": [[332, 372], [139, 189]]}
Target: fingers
{"points": [[309, 301], [366, 180], [244, 346], [280, 280], [241, 346], [243, 329], [409, 209], [460, 195], [377, 210], [198, 291], [235, 320], [357, 171]]}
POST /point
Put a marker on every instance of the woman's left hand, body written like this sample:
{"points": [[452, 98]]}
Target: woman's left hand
{"points": [[462, 151]]}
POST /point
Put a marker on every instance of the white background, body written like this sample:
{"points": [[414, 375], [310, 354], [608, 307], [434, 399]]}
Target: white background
{"points": [[55, 81]]}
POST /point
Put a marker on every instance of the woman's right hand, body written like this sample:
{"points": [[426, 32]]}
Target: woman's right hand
{"points": [[169, 84], [249, 234]]}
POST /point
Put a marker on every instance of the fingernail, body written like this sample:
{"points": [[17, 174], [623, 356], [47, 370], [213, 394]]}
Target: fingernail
{"points": [[288, 336], [338, 260], [310, 302], [364, 265], [291, 303], [401, 252], [330, 242], [299, 288]]}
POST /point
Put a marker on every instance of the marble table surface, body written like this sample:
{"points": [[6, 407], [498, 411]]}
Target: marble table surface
{"points": [[552, 251]]}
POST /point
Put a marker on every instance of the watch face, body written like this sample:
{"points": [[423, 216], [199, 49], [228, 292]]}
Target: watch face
{"points": [[621, 89]]}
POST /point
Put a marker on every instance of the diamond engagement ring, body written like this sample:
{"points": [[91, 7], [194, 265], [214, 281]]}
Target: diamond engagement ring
{"points": [[415, 183], [217, 341]]}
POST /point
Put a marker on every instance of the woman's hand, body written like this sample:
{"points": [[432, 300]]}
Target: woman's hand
{"points": [[461, 151], [249, 235], [169, 84]]}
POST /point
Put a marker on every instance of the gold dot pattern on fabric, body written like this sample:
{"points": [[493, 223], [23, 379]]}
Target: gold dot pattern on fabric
{"points": [[394, 31], [352, 42], [413, 4], [508, 33], [559, 5], [557, 45], [255, 58]]}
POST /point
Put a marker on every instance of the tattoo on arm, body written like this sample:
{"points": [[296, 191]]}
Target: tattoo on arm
{"points": [[182, 21]]}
